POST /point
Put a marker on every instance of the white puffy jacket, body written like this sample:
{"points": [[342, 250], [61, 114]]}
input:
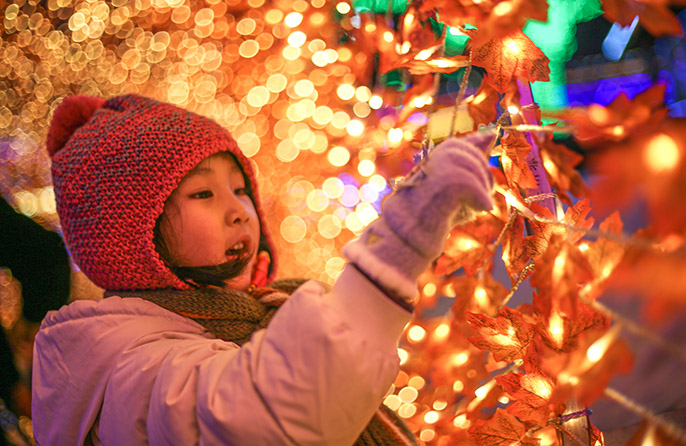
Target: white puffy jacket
{"points": [[127, 372]]}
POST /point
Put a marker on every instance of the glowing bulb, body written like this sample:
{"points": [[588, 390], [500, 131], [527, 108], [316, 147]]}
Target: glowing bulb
{"points": [[388, 36], [583, 247], [482, 391], [356, 128], [395, 135], [424, 54], [293, 19], [442, 331], [429, 289], [598, 349], [461, 421], [417, 382], [416, 333], [343, 7], [431, 417], [556, 328], [481, 296], [338, 156], [375, 102], [345, 92], [661, 154], [460, 359], [512, 45], [440, 404], [403, 355], [408, 394], [512, 109], [458, 386]]}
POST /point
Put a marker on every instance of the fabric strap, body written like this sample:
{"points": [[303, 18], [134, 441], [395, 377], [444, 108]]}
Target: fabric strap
{"points": [[234, 316]]}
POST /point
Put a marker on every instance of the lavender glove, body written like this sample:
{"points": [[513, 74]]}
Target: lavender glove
{"points": [[448, 189]]}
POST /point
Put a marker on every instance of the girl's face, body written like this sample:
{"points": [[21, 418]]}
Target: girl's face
{"points": [[210, 219]]}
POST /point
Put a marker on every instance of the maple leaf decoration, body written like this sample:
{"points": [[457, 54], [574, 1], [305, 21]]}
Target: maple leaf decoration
{"points": [[501, 430], [468, 246], [604, 254], [515, 150], [585, 372], [559, 330], [653, 15], [530, 393], [558, 274], [652, 162], [482, 295], [492, 18], [507, 59], [483, 105], [621, 119], [507, 336], [560, 165]]}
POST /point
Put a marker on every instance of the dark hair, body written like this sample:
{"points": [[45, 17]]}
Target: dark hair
{"points": [[210, 275]]}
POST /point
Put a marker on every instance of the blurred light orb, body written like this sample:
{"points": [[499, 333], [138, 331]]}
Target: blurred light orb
{"points": [[345, 92], [293, 229], [375, 102], [661, 154], [338, 156], [297, 39], [366, 168], [343, 7], [293, 19], [333, 187], [355, 128]]}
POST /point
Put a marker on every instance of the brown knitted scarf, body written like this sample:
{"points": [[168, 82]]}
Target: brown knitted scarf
{"points": [[234, 316]]}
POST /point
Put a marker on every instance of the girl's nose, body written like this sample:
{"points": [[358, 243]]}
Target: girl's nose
{"points": [[236, 211]]}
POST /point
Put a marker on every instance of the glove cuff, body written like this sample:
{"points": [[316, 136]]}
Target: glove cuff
{"points": [[386, 275]]}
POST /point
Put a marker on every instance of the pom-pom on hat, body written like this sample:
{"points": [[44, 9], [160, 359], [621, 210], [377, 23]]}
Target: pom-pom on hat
{"points": [[114, 164]]}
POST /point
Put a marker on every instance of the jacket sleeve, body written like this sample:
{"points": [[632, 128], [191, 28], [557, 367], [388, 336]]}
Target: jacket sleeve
{"points": [[315, 376]]}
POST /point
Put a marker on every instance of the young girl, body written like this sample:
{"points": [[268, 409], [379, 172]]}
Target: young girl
{"points": [[159, 207]]}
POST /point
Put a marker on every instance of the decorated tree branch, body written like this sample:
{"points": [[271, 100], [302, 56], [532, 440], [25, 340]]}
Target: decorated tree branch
{"points": [[336, 100]]}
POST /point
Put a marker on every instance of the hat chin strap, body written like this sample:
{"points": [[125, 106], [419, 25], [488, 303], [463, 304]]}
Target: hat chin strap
{"points": [[260, 271]]}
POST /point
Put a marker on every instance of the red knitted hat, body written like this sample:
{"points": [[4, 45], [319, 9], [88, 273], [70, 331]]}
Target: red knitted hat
{"points": [[114, 164]]}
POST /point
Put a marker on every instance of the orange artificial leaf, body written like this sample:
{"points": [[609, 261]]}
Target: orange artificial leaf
{"points": [[530, 393], [560, 330], [585, 372], [653, 15], [651, 163], [468, 245], [557, 277], [560, 164], [483, 105], [507, 336], [604, 254], [437, 64], [652, 274], [653, 435], [621, 119], [515, 150], [597, 437], [512, 97], [515, 250], [480, 295], [501, 430], [492, 18], [542, 231], [510, 58]]}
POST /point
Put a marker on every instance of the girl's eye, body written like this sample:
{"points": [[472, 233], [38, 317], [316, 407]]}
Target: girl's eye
{"points": [[202, 194], [241, 191]]}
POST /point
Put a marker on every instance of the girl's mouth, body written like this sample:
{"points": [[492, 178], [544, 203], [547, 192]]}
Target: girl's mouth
{"points": [[237, 251]]}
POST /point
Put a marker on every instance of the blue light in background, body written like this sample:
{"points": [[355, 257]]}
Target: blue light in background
{"points": [[617, 39]]}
